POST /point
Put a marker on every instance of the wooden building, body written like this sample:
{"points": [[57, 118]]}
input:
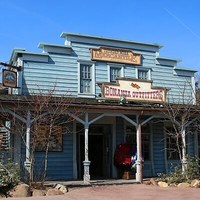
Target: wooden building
{"points": [[121, 86]]}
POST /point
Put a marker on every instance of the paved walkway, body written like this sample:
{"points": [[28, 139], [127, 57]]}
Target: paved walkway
{"points": [[124, 192]]}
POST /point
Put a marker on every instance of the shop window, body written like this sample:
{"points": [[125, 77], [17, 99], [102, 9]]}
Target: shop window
{"points": [[171, 143], [85, 78], [146, 139], [143, 74], [43, 139]]}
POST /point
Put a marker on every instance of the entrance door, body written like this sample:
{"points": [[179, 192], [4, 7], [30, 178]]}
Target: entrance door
{"points": [[98, 150], [96, 156], [95, 151]]}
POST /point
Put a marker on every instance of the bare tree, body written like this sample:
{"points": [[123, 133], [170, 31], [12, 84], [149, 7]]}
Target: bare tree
{"points": [[46, 111], [182, 114]]}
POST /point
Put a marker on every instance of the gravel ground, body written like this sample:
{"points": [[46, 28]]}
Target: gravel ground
{"points": [[124, 192]]}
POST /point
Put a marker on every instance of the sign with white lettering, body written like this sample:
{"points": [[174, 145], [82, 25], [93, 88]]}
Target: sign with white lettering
{"points": [[116, 55], [133, 90]]}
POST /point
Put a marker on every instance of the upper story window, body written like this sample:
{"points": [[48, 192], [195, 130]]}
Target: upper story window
{"points": [[85, 78], [115, 71], [144, 74]]}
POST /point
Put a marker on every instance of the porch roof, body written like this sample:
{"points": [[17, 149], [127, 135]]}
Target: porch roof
{"points": [[86, 103]]}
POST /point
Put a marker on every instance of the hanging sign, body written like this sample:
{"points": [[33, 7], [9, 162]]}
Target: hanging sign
{"points": [[116, 55], [133, 90], [9, 78]]}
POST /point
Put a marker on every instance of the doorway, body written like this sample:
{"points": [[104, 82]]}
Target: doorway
{"points": [[99, 151]]}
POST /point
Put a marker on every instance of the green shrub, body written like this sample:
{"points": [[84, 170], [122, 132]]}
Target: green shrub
{"points": [[9, 176], [177, 176], [193, 169], [174, 177]]}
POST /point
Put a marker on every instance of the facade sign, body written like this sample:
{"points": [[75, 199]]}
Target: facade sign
{"points": [[134, 90], [9, 78], [116, 55]]}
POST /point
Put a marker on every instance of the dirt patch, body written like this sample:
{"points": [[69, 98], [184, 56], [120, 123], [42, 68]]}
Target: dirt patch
{"points": [[120, 192]]}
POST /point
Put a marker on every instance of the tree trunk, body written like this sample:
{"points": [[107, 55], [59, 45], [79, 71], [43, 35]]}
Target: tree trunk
{"points": [[184, 158], [46, 153]]}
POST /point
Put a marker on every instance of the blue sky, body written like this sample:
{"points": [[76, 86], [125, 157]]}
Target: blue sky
{"points": [[171, 23]]}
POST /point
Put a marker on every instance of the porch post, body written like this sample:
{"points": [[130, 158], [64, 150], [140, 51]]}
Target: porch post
{"points": [[27, 162], [86, 162], [139, 174], [184, 159]]}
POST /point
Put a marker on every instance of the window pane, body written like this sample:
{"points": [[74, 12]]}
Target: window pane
{"points": [[85, 78], [114, 73], [146, 140], [142, 74], [85, 86]]}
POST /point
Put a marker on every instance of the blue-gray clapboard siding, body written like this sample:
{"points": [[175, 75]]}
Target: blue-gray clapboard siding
{"points": [[158, 148], [61, 71], [60, 164], [179, 86]]}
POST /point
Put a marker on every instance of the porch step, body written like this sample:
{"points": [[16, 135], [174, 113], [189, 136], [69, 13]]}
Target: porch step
{"points": [[92, 182]]}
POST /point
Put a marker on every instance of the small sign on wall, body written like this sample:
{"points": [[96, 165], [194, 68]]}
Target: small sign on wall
{"points": [[9, 78]]}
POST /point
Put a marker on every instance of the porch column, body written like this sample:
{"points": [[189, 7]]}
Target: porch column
{"points": [[27, 162], [86, 162], [184, 159], [139, 176]]}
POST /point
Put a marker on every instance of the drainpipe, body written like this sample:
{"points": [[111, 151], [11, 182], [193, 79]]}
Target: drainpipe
{"points": [[139, 176], [86, 162]]}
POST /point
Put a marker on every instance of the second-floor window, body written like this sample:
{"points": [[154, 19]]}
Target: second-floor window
{"points": [[115, 72], [85, 78], [143, 74]]}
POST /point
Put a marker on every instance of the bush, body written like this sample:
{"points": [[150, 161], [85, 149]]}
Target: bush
{"points": [[193, 168], [192, 172], [9, 176]]}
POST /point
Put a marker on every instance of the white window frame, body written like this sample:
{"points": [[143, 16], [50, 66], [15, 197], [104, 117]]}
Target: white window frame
{"points": [[143, 69], [112, 65], [92, 64]]}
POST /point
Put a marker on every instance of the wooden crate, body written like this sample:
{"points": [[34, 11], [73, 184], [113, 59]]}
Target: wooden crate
{"points": [[128, 175]]}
